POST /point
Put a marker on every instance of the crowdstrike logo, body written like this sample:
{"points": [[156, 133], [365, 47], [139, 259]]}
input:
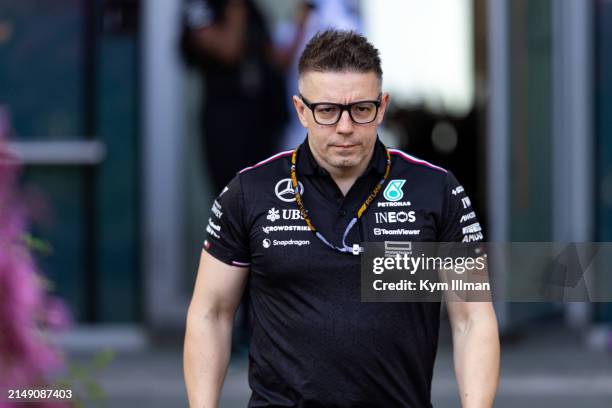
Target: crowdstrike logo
{"points": [[284, 228], [284, 190], [273, 214]]}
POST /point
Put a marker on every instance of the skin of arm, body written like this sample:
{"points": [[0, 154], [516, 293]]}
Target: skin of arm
{"points": [[476, 351], [225, 39], [208, 334], [283, 56]]}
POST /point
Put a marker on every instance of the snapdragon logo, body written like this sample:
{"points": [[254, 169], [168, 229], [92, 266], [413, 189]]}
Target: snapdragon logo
{"points": [[290, 242], [266, 243]]}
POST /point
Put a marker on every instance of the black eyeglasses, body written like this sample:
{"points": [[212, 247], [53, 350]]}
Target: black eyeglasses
{"points": [[328, 113]]}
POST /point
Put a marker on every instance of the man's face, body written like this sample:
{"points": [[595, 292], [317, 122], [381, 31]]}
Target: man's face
{"points": [[346, 144]]}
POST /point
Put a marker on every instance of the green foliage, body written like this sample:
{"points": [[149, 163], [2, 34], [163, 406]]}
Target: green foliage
{"points": [[81, 380], [37, 245]]}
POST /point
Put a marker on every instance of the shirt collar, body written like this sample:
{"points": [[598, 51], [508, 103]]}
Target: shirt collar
{"points": [[308, 166]]}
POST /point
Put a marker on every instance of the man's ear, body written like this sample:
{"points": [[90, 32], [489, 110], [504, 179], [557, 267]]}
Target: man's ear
{"points": [[300, 109], [384, 102]]}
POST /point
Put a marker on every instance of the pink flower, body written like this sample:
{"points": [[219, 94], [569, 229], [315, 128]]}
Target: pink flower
{"points": [[26, 359]]}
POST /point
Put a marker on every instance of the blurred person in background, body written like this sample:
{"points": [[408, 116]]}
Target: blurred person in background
{"points": [[243, 110], [288, 231], [311, 17]]}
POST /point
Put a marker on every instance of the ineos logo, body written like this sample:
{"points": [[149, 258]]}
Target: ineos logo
{"points": [[284, 190], [395, 216]]}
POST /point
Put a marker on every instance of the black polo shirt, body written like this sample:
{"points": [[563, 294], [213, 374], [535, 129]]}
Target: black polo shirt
{"points": [[314, 343]]}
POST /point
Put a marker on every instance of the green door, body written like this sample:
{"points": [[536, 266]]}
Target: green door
{"points": [[68, 78]]}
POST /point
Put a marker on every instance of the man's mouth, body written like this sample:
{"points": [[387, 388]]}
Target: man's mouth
{"points": [[344, 146]]}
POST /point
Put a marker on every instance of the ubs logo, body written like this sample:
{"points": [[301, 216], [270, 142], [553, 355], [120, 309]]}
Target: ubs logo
{"points": [[284, 190], [287, 214]]}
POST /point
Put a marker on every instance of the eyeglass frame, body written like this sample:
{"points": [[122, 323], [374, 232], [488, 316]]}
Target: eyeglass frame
{"points": [[343, 107]]}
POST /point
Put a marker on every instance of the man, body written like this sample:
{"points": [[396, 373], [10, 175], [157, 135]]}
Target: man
{"points": [[314, 343], [229, 44]]}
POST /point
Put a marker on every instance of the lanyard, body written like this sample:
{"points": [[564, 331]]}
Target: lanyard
{"points": [[355, 249]]}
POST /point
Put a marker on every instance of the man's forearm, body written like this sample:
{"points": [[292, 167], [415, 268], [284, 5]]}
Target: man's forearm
{"points": [[206, 357], [225, 39], [476, 355]]}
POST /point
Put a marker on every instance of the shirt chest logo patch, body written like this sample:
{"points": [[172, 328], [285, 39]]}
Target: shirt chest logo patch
{"points": [[267, 242], [393, 191], [287, 214], [273, 214], [284, 190]]}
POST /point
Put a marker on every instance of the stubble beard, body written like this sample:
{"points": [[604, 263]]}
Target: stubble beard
{"points": [[344, 163]]}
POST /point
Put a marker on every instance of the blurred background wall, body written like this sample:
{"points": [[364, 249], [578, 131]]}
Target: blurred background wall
{"points": [[515, 97]]}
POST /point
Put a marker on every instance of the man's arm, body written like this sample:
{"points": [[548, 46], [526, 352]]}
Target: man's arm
{"points": [[476, 351], [224, 39], [216, 296]]}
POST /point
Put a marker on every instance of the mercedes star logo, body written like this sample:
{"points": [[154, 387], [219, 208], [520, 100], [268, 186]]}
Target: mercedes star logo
{"points": [[284, 190]]}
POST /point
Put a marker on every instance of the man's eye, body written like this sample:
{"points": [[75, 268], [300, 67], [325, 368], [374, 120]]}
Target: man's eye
{"points": [[326, 109]]}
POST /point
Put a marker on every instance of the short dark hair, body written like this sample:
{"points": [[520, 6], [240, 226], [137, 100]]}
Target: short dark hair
{"points": [[337, 51]]}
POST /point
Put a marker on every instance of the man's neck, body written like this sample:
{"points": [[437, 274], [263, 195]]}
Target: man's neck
{"points": [[344, 177]]}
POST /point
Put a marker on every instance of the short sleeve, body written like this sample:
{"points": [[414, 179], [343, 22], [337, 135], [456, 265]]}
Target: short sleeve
{"points": [[459, 222], [226, 234]]}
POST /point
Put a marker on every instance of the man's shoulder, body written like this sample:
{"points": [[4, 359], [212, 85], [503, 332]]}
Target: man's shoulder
{"points": [[405, 163], [276, 165], [410, 161]]}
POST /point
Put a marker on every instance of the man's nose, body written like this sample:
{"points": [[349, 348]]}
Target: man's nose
{"points": [[345, 124]]}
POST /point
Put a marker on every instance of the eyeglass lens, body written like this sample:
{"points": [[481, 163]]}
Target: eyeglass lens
{"points": [[364, 112]]}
